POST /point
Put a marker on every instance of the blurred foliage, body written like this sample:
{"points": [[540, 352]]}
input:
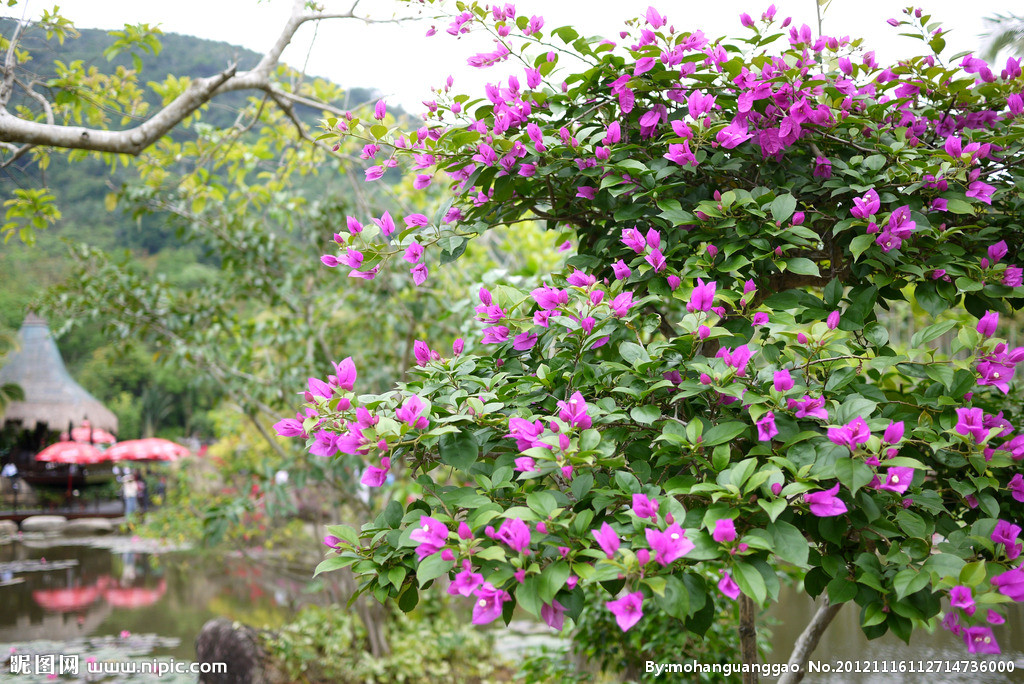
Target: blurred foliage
{"points": [[428, 645]]}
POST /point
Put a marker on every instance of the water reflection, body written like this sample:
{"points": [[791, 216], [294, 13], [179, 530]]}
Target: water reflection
{"points": [[70, 592]]}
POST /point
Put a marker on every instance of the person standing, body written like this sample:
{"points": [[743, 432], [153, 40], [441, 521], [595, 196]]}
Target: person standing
{"points": [[10, 471], [130, 490]]}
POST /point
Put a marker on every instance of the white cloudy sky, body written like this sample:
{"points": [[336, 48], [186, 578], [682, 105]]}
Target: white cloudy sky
{"points": [[403, 64]]}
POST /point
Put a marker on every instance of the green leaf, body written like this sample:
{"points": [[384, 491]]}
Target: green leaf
{"points": [[566, 33], [528, 595], [750, 581], [459, 450], [932, 332], [634, 354], [959, 206], [396, 575], [542, 502], [409, 598], [928, 298], [833, 292], [345, 533], [432, 567], [853, 406], [972, 574], [790, 545], [909, 581], [722, 433], [676, 599], [946, 565], [645, 415], [552, 580], [875, 162], [783, 207], [841, 590], [802, 266], [773, 507], [860, 244], [332, 564], [581, 484], [877, 334], [853, 474]]}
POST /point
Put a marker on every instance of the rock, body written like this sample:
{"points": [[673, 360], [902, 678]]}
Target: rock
{"points": [[8, 528], [238, 646], [44, 523], [87, 527]]}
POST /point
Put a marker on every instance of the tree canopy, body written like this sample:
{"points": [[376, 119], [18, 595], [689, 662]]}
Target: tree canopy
{"points": [[719, 380]]}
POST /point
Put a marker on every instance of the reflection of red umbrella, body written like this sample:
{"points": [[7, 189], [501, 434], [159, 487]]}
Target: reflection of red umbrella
{"points": [[135, 597], [87, 434], [151, 449], [72, 452], [66, 600]]}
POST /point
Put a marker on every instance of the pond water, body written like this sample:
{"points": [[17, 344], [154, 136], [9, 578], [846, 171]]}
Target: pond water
{"points": [[119, 599]]}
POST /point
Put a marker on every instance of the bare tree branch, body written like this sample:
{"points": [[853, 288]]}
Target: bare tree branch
{"points": [[10, 62], [132, 141], [808, 641], [14, 129], [19, 152]]}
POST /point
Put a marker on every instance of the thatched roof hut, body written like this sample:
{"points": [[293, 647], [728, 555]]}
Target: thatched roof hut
{"points": [[51, 395]]}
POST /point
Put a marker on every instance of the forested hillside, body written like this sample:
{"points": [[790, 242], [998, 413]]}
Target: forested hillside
{"points": [[132, 381]]}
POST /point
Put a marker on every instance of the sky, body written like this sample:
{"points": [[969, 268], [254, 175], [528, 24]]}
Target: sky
{"points": [[402, 63]]}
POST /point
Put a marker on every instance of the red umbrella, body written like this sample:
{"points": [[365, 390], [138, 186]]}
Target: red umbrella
{"points": [[72, 452], [87, 434], [135, 597], [151, 449], [66, 600]]}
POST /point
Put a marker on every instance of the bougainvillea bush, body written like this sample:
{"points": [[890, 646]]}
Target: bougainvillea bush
{"points": [[711, 383]]}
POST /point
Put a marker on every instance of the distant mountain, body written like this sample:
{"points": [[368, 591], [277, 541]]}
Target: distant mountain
{"points": [[81, 187]]}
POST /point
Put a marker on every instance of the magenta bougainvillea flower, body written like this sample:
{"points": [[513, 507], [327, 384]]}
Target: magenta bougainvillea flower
{"points": [[825, 504], [703, 296], [553, 615], [550, 298], [782, 380], [465, 582], [669, 544], [431, 536], [1010, 583], [727, 585], [1016, 486], [851, 435], [725, 530], [766, 428], [1006, 533], [864, 207], [897, 480], [488, 605], [574, 411], [374, 476], [410, 412], [808, 407], [515, 533], [525, 433], [627, 610], [970, 421], [893, 433], [525, 464], [987, 324], [607, 539], [644, 507], [980, 639], [961, 597]]}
